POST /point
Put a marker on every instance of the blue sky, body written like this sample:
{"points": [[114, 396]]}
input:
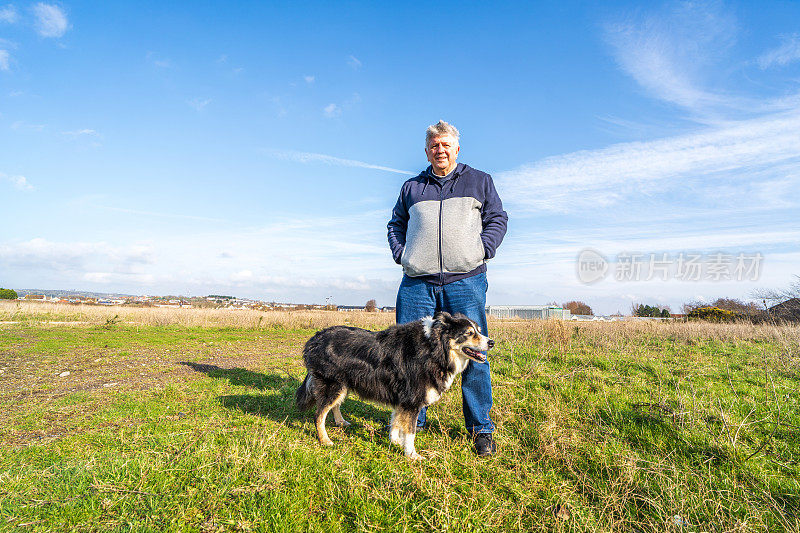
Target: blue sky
{"points": [[257, 149]]}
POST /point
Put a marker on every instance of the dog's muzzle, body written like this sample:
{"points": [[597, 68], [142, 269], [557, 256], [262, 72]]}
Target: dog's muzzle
{"points": [[473, 354]]}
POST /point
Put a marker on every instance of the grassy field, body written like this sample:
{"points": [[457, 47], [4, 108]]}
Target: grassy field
{"points": [[183, 420]]}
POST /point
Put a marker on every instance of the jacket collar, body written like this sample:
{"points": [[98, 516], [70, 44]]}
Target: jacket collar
{"points": [[428, 173]]}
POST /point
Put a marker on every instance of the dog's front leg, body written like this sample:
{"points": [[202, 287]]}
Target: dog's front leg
{"points": [[322, 434], [395, 433], [338, 418], [408, 425], [408, 446]]}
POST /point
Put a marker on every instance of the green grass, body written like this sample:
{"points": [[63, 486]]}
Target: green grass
{"points": [[194, 429]]}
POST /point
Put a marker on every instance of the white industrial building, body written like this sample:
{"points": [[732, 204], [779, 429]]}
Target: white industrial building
{"points": [[528, 311]]}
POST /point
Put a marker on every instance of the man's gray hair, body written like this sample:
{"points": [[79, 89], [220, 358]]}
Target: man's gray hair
{"points": [[440, 128]]}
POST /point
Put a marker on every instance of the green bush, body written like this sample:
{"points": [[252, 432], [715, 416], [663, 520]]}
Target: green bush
{"points": [[8, 294], [714, 314], [651, 311]]}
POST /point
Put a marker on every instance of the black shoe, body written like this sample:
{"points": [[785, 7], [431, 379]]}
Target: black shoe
{"points": [[484, 444]]}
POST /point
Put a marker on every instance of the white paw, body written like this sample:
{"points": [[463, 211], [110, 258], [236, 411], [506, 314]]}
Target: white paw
{"points": [[343, 424], [396, 440], [414, 456], [326, 442]]}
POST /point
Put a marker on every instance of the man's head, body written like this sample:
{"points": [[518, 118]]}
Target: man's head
{"points": [[441, 147]]}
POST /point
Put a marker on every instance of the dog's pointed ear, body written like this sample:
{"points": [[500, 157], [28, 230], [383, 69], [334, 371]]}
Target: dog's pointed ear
{"points": [[442, 317]]}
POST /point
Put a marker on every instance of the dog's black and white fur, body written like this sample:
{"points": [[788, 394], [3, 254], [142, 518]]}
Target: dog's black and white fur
{"points": [[407, 366]]}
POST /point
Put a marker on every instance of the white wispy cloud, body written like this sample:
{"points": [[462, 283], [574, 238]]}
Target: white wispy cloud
{"points": [[309, 157], [51, 21], [332, 110], [19, 182], [41, 253], [787, 52], [158, 61], [85, 132], [309, 79], [5, 60], [668, 52], [612, 239], [354, 62], [198, 103], [8, 14], [763, 149]]}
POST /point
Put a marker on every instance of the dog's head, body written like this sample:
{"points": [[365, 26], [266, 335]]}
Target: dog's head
{"points": [[463, 337]]}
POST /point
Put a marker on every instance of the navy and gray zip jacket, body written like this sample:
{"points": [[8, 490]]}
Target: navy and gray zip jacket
{"points": [[446, 231]]}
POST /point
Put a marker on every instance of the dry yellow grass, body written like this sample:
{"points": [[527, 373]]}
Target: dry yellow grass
{"points": [[14, 311], [558, 333]]}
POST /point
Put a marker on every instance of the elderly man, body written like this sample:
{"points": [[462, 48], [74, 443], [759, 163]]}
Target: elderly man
{"points": [[447, 223]]}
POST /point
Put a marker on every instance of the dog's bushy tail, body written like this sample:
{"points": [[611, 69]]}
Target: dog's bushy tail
{"points": [[304, 397]]}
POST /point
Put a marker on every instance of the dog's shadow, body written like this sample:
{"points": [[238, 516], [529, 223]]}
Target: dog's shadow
{"points": [[276, 399]]}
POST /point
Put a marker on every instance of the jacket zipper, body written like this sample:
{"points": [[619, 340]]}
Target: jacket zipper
{"points": [[441, 260]]}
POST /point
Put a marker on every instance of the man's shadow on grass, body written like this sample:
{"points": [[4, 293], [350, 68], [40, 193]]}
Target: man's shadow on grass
{"points": [[276, 401]]}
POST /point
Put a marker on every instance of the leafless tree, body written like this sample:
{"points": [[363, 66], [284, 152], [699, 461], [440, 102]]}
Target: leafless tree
{"points": [[783, 304], [773, 297]]}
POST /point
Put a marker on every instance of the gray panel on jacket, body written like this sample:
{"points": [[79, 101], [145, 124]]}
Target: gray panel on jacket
{"points": [[462, 247], [421, 253]]}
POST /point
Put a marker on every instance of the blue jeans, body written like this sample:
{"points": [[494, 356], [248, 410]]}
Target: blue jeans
{"points": [[417, 299]]}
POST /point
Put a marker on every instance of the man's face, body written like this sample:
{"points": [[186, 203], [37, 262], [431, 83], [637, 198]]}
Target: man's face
{"points": [[442, 152]]}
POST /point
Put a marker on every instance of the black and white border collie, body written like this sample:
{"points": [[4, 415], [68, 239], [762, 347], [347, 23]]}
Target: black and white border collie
{"points": [[407, 366]]}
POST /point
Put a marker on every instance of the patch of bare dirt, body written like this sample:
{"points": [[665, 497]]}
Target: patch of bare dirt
{"points": [[29, 377]]}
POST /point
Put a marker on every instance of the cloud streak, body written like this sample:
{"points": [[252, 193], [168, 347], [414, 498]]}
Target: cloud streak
{"points": [[157, 61], [667, 52], [308, 158], [8, 14], [354, 62], [332, 110], [51, 21], [85, 132], [19, 182], [764, 149], [786, 53], [43, 254]]}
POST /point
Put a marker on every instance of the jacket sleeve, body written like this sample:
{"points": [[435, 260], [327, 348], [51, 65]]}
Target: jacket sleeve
{"points": [[495, 220], [397, 228]]}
